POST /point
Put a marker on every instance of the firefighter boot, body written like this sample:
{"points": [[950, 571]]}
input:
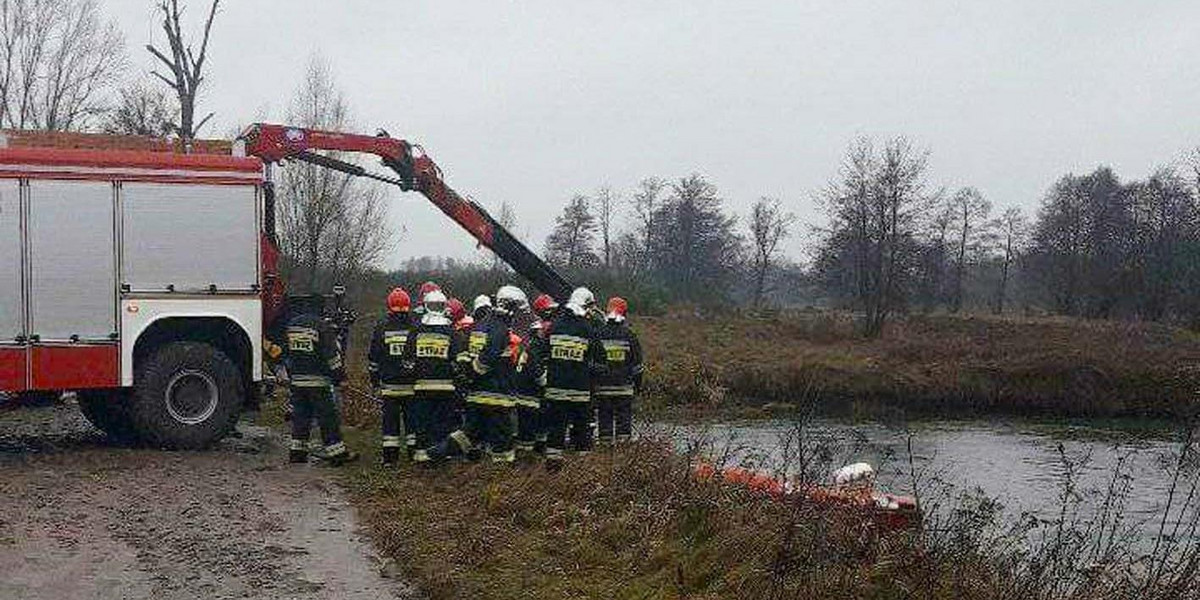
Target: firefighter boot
{"points": [[298, 452], [342, 458], [337, 454]]}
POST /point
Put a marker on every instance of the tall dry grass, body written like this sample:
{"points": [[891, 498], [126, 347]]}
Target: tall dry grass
{"points": [[925, 365], [636, 523]]}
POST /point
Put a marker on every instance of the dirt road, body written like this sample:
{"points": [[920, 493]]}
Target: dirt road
{"points": [[82, 519]]}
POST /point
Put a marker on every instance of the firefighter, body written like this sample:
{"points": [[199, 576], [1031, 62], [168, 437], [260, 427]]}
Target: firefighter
{"points": [[435, 346], [621, 379], [425, 288], [531, 368], [575, 355], [314, 365], [481, 307], [458, 314], [544, 307], [389, 365], [489, 405]]}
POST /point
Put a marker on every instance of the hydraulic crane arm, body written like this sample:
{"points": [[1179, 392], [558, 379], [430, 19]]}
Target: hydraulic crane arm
{"points": [[414, 172]]}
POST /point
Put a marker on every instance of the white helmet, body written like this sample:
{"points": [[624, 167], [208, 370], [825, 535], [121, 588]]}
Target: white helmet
{"points": [[435, 301], [481, 301], [511, 299], [435, 309], [581, 300]]}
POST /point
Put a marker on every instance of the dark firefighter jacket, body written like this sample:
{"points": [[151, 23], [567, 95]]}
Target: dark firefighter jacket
{"points": [[530, 376], [311, 353], [575, 356], [492, 363], [434, 347], [389, 360], [622, 374]]}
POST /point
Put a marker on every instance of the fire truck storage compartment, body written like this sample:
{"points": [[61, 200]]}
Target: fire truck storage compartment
{"points": [[12, 321], [188, 238], [72, 261], [12, 314]]}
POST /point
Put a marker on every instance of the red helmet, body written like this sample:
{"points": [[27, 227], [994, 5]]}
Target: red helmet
{"points": [[457, 309], [427, 287], [617, 308], [543, 303], [464, 323], [398, 301]]}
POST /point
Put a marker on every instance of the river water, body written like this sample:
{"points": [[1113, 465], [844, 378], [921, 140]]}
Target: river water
{"points": [[1024, 464]]}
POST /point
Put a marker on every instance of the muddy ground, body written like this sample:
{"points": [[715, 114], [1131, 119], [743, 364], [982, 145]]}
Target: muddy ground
{"points": [[82, 518]]}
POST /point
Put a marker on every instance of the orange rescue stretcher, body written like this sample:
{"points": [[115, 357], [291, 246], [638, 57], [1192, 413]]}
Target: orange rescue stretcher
{"points": [[852, 490]]}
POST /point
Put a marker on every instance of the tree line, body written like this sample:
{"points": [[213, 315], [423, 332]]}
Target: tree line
{"points": [[892, 242], [671, 241]]}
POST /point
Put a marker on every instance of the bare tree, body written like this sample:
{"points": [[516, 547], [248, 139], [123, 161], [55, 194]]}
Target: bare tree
{"points": [[696, 250], [1082, 244], [141, 110], [877, 208], [57, 58], [1012, 228], [570, 244], [970, 211], [606, 202], [331, 224], [185, 65], [935, 259], [645, 202], [1165, 220], [769, 225]]}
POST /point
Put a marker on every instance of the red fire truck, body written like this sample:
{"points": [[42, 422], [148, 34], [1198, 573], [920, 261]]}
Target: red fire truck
{"points": [[143, 278]]}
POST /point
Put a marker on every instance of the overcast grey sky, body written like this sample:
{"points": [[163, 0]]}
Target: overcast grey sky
{"points": [[533, 101]]}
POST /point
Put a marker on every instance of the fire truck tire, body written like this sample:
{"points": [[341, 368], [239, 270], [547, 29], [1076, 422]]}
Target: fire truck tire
{"points": [[108, 411], [186, 396]]}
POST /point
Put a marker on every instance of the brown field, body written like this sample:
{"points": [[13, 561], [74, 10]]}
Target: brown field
{"points": [[926, 365]]}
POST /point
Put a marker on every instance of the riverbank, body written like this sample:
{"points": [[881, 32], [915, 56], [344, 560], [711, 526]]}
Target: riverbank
{"points": [[627, 524], [940, 365], [636, 523]]}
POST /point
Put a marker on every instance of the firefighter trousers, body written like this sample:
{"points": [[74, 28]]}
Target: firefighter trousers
{"points": [[530, 429], [438, 415], [565, 417], [397, 428], [614, 417], [485, 427], [308, 402]]}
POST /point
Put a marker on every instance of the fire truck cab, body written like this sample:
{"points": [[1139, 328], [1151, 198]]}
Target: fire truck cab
{"points": [[131, 273]]}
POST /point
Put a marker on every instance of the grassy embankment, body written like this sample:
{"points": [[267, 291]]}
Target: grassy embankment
{"points": [[635, 524], [924, 365]]}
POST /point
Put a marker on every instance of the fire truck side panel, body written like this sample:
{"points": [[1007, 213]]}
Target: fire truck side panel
{"points": [[140, 314], [72, 261], [13, 368], [13, 354], [74, 366], [101, 249], [189, 238], [12, 312]]}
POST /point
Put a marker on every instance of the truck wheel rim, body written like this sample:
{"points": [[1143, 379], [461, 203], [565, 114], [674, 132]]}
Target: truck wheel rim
{"points": [[191, 397]]}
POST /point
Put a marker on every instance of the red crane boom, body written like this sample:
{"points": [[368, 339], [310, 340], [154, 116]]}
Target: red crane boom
{"points": [[415, 171]]}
